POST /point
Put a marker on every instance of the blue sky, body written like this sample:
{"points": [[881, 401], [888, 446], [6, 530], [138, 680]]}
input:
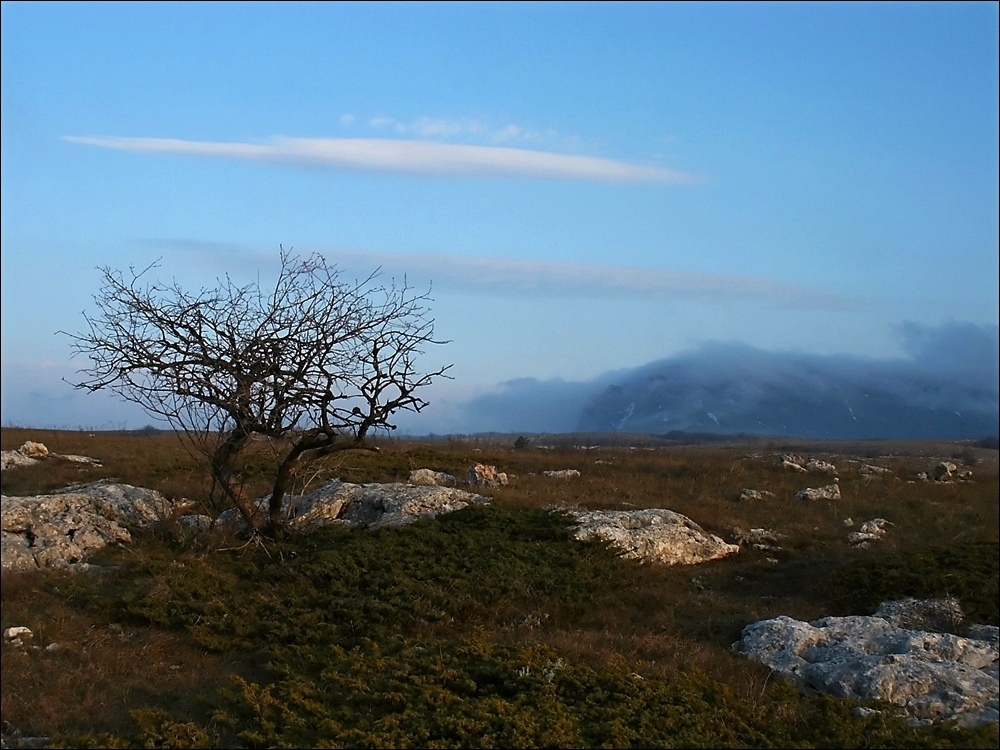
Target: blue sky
{"points": [[590, 187]]}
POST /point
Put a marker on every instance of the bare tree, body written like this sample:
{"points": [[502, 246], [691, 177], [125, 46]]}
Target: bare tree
{"points": [[317, 364]]}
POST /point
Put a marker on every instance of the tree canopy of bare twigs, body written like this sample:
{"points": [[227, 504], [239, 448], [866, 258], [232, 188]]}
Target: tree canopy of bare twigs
{"points": [[315, 362]]}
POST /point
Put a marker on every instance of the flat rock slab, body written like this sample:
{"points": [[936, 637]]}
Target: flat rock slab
{"points": [[371, 505], [653, 535], [61, 529], [933, 676]]}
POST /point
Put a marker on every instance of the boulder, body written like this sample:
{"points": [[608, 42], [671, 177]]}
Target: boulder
{"points": [[933, 676], [377, 505], [31, 453], [829, 492], [483, 475], [652, 535], [870, 471], [430, 478], [761, 539], [561, 474], [14, 460], [61, 529], [371, 505], [870, 531], [943, 471], [792, 462], [749, 494], [33, 449], [821, 467]]}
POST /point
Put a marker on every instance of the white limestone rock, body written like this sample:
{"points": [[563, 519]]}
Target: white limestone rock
{"points": [[484, 475], [62, 529], [933, 676], [652, 535], [822, 467], [749, 494], [431, 478], [828, 492], [870, 531], [561, 474], [372, 505]]}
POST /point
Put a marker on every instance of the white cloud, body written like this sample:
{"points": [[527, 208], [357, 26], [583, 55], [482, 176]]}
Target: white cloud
{"points": [[564, 279], [405, 156], [380, 122], [347, 119]]}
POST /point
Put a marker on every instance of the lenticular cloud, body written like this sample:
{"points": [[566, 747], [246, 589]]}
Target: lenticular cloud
{"points": [[407, 157]]}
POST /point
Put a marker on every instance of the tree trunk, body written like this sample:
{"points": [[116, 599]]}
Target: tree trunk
{"points": [[222, 473]]}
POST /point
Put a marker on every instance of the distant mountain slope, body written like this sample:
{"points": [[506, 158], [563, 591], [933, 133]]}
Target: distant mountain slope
{"points": [[732, 389], [946, 387]]}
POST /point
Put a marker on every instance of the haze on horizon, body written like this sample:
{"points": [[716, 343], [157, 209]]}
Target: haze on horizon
{"points": [[595, 192]]}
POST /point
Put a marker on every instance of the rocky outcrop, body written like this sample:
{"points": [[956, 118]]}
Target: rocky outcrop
{"points": [[827, 492], [431, 478], [482, 475], [932, 675], [369, 505], [31, 453], [870, 471], [561, 474], [652, 535], [749, 494], [870, 531], [62, 529], [822, 467], [764, 540]]}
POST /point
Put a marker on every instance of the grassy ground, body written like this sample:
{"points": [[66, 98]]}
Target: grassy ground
{"points": [[490, 626]]}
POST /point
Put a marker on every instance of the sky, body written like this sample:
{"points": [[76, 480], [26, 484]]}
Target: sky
{"points": [[585, 187]]}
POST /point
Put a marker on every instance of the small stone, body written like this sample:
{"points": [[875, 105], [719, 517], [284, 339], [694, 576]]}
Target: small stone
{"points": [[18, 631]]}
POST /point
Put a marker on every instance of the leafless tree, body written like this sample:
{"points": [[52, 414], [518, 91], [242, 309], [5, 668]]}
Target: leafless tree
{"points": [[316, 364]]}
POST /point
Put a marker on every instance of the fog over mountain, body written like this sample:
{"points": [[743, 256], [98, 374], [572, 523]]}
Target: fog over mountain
{"points": [[947, 387]]}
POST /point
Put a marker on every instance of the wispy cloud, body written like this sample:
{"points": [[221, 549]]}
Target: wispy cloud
{"points": [[555, 278], [405, 156]]}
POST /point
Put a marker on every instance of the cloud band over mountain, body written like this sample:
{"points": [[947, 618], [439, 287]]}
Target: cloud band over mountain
{"points": [[405, 157]]}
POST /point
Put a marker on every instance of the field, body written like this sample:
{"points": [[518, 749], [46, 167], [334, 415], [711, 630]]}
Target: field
{"points": [[490, 626]]}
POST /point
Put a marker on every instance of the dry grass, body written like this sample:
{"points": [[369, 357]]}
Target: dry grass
{"points": [[666, 620]]}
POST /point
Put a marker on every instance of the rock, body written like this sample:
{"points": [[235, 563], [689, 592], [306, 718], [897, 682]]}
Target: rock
{"points": [[794, 463], [848, 523], [371, 505], [943, 472], [561, 474], [762, 539], [63, 528], [193, 525], [938, 615], [652, 535], [18, 631], [871, 471], [486, 476], [965, 475], [377, 505], [922, 476], [829, 492], [33, 449], [822, 467], [933, 676], [429, 478], [13, 460], [30, 453], [749, 494], [78, 459], [870, 531]]}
